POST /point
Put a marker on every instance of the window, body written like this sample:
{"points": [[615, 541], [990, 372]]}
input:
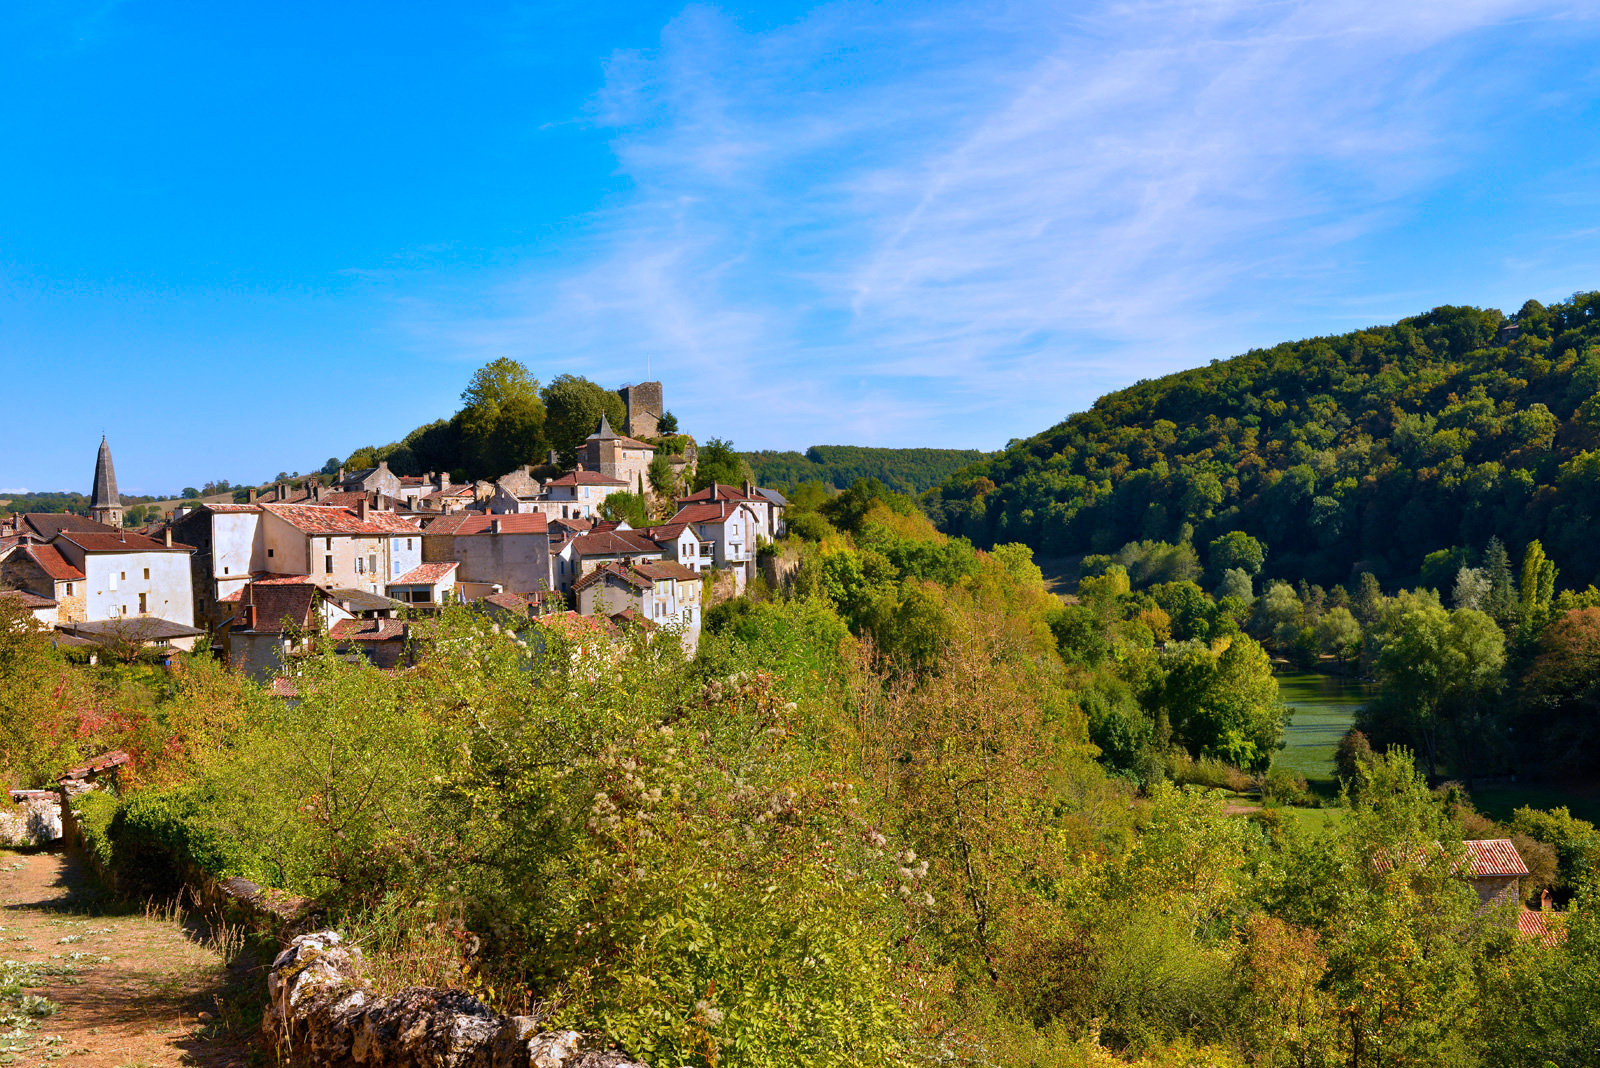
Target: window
{"points": [[359, 569], [124, 575], [397, 567], [111, 580], [327, 543], [147, 574], [144, 605], [69, 589], [372, 564], [327, 565], [224, 569], [408, 545], [269, 554]]}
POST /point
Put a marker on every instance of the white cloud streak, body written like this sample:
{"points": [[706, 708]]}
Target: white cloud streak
{"points": [[888, 226]]}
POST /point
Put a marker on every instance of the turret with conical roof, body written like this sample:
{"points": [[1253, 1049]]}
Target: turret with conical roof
{"points": [[104, 504], [605, 433]]}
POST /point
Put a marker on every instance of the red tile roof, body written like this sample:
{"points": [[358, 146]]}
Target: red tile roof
{"points": [[265, 606], [713, 512], [667, 569], [585, 478], [103, 762], [425, 574], [521, 523], [230, 508], [52, 563], [47, 524], [1543, 925], [717, 492], [665, 531], [632, 615], [125, 541], [368, 630], [613, 543], [638, 575], [1494, 856], [323, 519]]}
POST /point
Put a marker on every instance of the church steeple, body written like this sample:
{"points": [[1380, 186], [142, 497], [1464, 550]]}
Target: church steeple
{"points": [[104, 504]]}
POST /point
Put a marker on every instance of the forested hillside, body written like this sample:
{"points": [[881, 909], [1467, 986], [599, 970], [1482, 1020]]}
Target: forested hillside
{"points": [[902, 470], [1363, 452]]}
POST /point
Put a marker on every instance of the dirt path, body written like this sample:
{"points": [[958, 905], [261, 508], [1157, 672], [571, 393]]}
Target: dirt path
{"points": [[125, 988]]}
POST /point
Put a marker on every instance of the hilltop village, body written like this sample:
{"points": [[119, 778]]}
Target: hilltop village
{"points": [[367, 556]]}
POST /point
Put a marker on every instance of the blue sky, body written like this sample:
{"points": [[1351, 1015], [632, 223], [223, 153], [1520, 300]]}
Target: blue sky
{"points": [[242, 238]]}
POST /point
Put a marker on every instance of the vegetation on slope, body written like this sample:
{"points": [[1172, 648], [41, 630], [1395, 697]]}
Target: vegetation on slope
{"points": [[838, 466], [1363, 452]]}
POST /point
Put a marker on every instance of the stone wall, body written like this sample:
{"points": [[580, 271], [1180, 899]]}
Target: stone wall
{"points": [[322, 1013], [644, 404], [34, 820]]}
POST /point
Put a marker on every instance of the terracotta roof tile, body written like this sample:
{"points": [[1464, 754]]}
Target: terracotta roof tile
{"points": [[426, 573], [1494, 856], [1543, 925], [613, 543], [323, 519], [585, 478], [265, 606], [119, 542], [28, 600], [521, 523], [52, 563], [368, 630]]}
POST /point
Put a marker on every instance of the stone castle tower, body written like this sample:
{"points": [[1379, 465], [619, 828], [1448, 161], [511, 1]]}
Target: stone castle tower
{"points": [[104, 504], [644, 409]]}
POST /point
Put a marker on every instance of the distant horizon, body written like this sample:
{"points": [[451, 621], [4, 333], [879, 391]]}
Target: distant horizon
{"points": [[232, 244]]}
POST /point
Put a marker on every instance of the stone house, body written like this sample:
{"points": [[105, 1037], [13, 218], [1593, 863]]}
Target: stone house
{"points": [[579, 494], [228, 549], [44, 609], [379, 479], [766, 505], [275, 617], [1496, 869], [661, 594], [129, 574], [42, 571], [496, 553], [681, 544], [383, 642], [622, 458], [584, 552], [733, 529], [339, 547]]}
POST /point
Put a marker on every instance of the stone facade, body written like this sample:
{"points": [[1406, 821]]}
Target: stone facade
{"points": [[645, 408]]}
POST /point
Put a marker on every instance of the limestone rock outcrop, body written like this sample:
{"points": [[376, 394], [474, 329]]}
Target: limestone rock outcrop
{"points": [[322, 1013]]}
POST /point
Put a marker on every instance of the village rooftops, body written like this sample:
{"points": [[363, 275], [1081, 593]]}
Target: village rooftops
{"points": [[477, 523], [325, 519], [361, 600], [639, 575], [266, 607], [717, 491], [712, 512], [586, 478], [131, 628], [613, 543]]}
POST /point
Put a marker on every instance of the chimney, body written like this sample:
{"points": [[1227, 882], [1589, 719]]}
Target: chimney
{"points": [[749, 490], [316, 492], [251, 496], [1544, 901], [283, 491], [169, 537], [340, 478], [361, 508], [383, 465], [494, 525]]}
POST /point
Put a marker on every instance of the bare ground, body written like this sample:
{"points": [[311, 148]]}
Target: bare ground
{"points": [[135, 987]]}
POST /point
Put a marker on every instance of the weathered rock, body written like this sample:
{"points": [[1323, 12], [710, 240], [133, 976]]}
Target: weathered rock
{"points": [[321, 1012]]}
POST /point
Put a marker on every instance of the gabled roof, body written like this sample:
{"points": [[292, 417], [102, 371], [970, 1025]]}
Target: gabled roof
{"points": [[478, 523], [717, 491], [1542, 925], [368, 630], [613, 543], [131, 628], [361, 600], [585, 478], [124, 541], [712, 512], [48, 524], [425, 575], [325, 519], [271, 603], [773, 496], [1494, 856], [52, 563], [665, 532], [637, 575]]}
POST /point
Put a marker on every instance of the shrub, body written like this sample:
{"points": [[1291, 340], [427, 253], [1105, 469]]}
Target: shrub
{"points": [[1285, 787], [1209, 772]]}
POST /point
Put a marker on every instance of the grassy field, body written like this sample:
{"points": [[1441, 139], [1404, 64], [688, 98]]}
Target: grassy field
{"points": [[1324, 708]]}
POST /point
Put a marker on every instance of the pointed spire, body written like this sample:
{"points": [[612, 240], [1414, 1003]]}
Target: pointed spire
{"points": [[605, 433], [105, 480]]}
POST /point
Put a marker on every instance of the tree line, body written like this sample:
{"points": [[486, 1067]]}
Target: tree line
{"points": [[1362, 452], [902, 470]]}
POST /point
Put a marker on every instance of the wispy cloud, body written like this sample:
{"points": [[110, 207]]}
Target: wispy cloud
{"points": [[912, 224]]}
